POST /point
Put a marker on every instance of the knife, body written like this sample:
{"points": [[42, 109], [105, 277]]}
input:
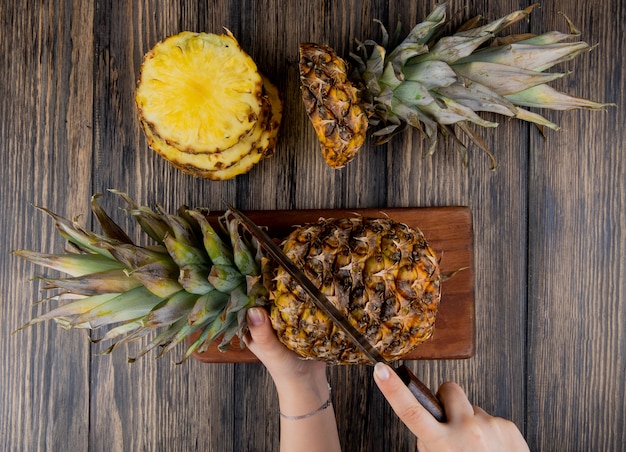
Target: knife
{"points": [[419, 390]]}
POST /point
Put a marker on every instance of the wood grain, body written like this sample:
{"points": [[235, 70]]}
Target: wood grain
{"points": [[577, 217], [46, 108], [548, 228]]}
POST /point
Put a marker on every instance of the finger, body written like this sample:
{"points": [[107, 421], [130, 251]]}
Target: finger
{"points": [[404, 404], [479, 411], [261, 331], [261, 339], [455, 401], [421, 447]]}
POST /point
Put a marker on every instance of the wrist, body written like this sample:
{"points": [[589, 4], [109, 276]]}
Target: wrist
{"points": [[300, 404], [310, 379], [311, 388], [302, 396]]}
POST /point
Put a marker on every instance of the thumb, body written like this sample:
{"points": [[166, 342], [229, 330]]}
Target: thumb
{"points": [[261, 339], [261, 331], [404, 404]]}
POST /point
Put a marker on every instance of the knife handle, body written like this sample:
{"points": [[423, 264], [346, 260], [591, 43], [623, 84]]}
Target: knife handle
{"points": [[421, 392]]}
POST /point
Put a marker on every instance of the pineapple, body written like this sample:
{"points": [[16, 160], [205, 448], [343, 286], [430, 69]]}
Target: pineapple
{"points": [[333, 103], [199, 279], [380, 273], [434, 84], [205, 108]]}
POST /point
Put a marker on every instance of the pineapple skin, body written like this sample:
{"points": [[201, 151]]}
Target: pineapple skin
{"points": [[332, 103], [380, 274], [201, 279]]}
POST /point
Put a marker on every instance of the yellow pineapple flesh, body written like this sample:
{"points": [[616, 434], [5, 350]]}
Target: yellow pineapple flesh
{"points": [[204, 106], [237, 159]]}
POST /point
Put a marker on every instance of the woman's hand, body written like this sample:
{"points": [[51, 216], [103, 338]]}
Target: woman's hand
{"points": [[287, 369], [468, 428], [307, 421]]}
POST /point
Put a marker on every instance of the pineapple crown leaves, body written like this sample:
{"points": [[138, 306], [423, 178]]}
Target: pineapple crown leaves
{"points": [[431, 82], [195, 279]]}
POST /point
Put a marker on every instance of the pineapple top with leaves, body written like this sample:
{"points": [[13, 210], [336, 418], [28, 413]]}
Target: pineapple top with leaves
{"points": [[200, 278], [433, 83]]}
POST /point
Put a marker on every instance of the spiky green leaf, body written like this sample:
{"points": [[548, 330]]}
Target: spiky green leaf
{"points": [[111, 281], [71, 264], [544, 96], [130, 305], [503, 79]]}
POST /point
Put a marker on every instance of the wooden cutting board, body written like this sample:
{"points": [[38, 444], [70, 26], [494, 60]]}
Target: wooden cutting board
{"points": [[448, 230]]}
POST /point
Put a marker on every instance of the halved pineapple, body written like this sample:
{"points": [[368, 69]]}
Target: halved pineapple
{"points": [[435, 83], [204, 106], [333, 104]]}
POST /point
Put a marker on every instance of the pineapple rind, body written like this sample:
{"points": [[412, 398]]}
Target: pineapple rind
{"points": [[340, 125], [382, 275]]}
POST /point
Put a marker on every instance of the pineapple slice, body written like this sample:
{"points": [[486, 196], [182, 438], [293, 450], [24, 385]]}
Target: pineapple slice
{"points": [[200, 91], [215, 165], [261, 149], [204, 106], [240, 167]]}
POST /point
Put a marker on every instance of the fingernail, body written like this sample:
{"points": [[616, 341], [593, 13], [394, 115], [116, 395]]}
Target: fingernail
{"points": [[255, 316], [381, 371]]}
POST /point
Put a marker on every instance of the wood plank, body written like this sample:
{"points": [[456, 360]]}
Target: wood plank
{"points": [[45, 154], [153, 404], [448, 230], [495, 377], [577, 220]]}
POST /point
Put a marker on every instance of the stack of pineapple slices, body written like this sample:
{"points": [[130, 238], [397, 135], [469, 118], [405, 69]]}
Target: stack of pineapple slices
{"points": [[205, 108]]}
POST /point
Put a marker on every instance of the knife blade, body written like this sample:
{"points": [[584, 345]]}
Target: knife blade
{"points": [[419, 390]]}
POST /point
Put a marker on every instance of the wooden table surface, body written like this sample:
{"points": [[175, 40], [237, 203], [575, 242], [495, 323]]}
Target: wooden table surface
{"points": [[549, 229]]}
